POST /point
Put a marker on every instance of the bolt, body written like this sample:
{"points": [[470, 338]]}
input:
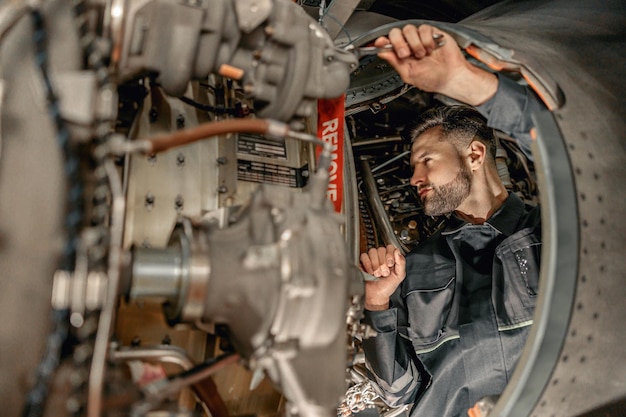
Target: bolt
{"points": [[180, 160], [179, 202], [152, 158], [222, 189], [180, 121], [221, 160], [278, 215], [154, 114], [149, 201]]}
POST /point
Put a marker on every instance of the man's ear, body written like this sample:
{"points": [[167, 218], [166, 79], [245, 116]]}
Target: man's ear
{"points": [[477, 154]]}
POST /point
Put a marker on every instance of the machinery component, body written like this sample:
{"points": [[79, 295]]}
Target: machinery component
{"points": [[281, 57], [358, 397], [162, 354], [271, 297], [203, 386], [278, 277], [374, 82], [271, 161], [361, 395], [78, 293], [178, 274], [158, 390]]}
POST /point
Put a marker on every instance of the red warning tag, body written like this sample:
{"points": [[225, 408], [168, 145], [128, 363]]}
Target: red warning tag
{"points": [[330, 128]]}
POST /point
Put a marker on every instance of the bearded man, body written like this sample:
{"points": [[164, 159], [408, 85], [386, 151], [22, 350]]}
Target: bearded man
{"points": [[452, 317]]}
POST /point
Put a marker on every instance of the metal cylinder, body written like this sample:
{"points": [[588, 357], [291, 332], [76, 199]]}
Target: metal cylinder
{"points": [[157, 273]]}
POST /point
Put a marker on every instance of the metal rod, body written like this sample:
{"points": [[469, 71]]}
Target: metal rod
{"points": [[380, 214], [166, 354], [107, 315]]}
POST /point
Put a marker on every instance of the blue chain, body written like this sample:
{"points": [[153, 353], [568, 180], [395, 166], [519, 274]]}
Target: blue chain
{"points": [[35, 401], [75, 194]]}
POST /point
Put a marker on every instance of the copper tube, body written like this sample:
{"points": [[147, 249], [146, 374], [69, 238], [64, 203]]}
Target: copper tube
{"points": [[183, 137]]}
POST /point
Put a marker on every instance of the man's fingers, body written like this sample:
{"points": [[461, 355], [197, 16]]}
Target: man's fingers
{"points": [[400, 45], [412, 35], [425, 33], [389, 257], [382, 261], [400, 263], [381, 41], [371, 262], [366, 265], [414, 41]]}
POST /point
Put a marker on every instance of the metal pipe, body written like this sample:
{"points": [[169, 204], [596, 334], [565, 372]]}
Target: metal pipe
{"points": [[163, 388], [166, 354], [395, 158], [380, 214], [377, 141], [205, 389], [107, 315]]}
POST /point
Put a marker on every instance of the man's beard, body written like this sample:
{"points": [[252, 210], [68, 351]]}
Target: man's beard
{"points": [[446, 198]]}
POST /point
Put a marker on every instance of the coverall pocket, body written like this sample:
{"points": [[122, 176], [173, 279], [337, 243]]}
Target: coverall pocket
{"points": [[527, 260], [519, 258], [428, 303]]}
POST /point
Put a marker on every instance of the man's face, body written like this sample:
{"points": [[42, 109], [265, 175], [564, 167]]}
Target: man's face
{"points": [[441, 175]]}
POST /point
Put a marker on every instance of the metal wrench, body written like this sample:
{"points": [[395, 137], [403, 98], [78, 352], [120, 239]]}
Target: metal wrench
{"points": [[374, 50]]}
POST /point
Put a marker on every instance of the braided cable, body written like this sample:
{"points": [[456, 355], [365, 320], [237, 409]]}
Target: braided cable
{"points": [[36, 398]]}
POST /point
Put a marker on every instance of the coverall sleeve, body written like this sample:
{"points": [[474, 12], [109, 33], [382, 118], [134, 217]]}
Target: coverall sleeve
{"points": [[392, 367], [510, 109]]}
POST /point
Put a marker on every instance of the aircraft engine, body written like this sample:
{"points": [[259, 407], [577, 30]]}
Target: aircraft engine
{"points": [[168, 243]]}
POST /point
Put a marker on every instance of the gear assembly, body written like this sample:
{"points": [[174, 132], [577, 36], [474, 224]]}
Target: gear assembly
{"points": [[214, 100]]}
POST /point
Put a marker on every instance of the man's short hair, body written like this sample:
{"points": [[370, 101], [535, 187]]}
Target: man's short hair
{"points": [[460, 126]]}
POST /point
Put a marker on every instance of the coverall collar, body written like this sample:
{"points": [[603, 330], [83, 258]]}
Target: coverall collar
{"points": [[504, 220]]}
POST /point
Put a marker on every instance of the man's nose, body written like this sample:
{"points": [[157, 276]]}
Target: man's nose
{"points": [[418, 176]]}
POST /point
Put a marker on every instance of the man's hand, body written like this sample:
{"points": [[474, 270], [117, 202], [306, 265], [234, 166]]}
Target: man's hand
{"points": [[388, 264], [432, 61]]}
